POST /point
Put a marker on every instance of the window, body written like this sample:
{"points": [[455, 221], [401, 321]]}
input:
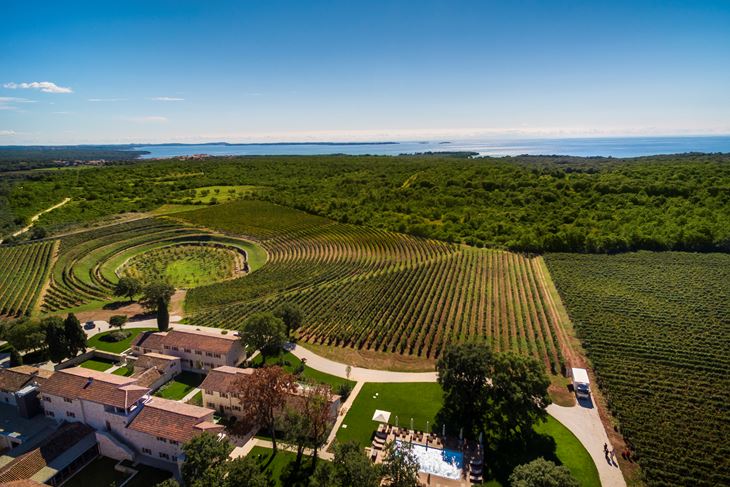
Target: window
{"points": [[187, 350], [211, 405], [174, 458], [51, 414], [175, 348], [217, 355], [65, 399], [164, 440], [208, 354], [198, 352], [70, 414], [47, 398], [166, 347], [146, 451], [164, 455], [173, 442]]}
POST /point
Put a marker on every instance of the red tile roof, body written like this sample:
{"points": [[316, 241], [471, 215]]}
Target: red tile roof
{"points": [[194, 340], [149, 360], [30, 463], [92, 385], [174, 420], [223, 379], [148, 339], [15, 378]]}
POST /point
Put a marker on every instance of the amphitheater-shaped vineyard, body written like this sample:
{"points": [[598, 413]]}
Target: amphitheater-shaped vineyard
{"points": [[89, 263], [23, 272]]}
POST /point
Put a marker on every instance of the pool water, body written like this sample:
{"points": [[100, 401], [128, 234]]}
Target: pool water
{"points": [[444, 463]]}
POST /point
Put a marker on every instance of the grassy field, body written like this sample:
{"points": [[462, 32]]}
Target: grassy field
{"points": [[185, 265], [273, 465], [100, 472], [219, 194], [290, 362], [369, 289], [181, 385], [97, 364], [116, 347], [656, 327], [124, 371], [422, 401]]}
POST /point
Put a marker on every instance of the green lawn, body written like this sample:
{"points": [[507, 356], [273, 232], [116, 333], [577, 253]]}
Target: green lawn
{"points": [[97, 364], [116, 347], [421, 401], [101, 472], [276, 464], [418, 400], [197, 399], [571, 452], [124, 370], [177, 388], [98, 472], [290, 362]]}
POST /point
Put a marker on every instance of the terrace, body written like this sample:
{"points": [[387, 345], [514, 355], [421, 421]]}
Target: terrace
{"points": [[453, 462]]}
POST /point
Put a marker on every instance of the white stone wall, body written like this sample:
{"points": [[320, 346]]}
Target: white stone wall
{"points": [[59, 407]]}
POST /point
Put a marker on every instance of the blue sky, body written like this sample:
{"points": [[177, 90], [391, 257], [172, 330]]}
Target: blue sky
{"points": [[272, 70]]}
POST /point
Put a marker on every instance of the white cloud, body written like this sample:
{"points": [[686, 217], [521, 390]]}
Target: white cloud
{"points": [[8, 102], [44, 86], [166, 98], [7, 133], [105, 99]]}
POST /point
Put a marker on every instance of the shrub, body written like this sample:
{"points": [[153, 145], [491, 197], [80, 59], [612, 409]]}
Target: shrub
{"points": [[115, 336]]}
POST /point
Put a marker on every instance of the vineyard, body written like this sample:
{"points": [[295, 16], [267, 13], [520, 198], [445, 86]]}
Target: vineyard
{"points": [[23, 273], [186, 265], [87, 264], [372, 289], [656, 327]]}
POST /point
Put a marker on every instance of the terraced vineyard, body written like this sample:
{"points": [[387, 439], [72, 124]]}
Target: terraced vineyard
{"points": [[23, 273], [657, 328], [373, 289], [87, 263]]}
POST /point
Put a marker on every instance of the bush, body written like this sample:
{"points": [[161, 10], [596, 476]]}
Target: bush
{"points": [[344, 390], [115, 336]]}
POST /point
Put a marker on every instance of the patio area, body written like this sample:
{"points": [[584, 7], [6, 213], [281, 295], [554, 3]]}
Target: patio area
{"points": [[444, 463]]}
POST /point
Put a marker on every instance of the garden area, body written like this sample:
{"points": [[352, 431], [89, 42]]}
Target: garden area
{"points": [[422, 401], [292, 364], [99, 364], [104, 341], [101, 472], [180, 386], [275, 464]]}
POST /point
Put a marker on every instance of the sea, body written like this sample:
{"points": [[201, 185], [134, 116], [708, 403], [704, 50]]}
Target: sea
{"points": [[604, 146]]}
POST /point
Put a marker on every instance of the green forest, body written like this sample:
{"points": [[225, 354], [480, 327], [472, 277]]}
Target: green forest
{"points": [[527, 203]]}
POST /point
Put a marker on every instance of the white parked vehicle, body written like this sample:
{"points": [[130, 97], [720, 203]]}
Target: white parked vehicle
{"points": [[581, 383]]}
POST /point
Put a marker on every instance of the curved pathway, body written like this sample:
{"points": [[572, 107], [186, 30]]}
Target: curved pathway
{"points": [[357, 373], [35, 217]]}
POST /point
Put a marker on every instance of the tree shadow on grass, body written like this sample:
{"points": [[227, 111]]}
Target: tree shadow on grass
{"points": [[507, 456]]}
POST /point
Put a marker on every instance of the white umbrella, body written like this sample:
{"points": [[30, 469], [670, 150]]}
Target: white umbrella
{"points": [[381, 416]]}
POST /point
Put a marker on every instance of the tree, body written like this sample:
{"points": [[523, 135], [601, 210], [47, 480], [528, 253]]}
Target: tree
{"points": [[316, 409], [296, 431], [542, 473], [291, 315], [518, 397], [501, 395], [350, 467], [15, 358], [168, 483], [127, 286], [204, 457], [56, 340], [24, 334], [244, 471], [400, 466], [263, 395], [463, 373], [157, 296], [118, 321], [75, 336], [38, 233], [265, 332]]}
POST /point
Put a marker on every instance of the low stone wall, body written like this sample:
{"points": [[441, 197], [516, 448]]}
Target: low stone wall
{"points": [[90, 354]]}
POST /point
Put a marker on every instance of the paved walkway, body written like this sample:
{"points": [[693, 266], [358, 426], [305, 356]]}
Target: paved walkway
{"points": [[357, 373], [343, 412], [189, 395], [586, 425]]}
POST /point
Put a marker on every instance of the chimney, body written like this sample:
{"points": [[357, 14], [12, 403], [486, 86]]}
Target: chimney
{"points": [[88, 382]]}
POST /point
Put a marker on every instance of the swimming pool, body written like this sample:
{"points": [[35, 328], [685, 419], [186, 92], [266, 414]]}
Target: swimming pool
{"points": [[444, 463]]}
